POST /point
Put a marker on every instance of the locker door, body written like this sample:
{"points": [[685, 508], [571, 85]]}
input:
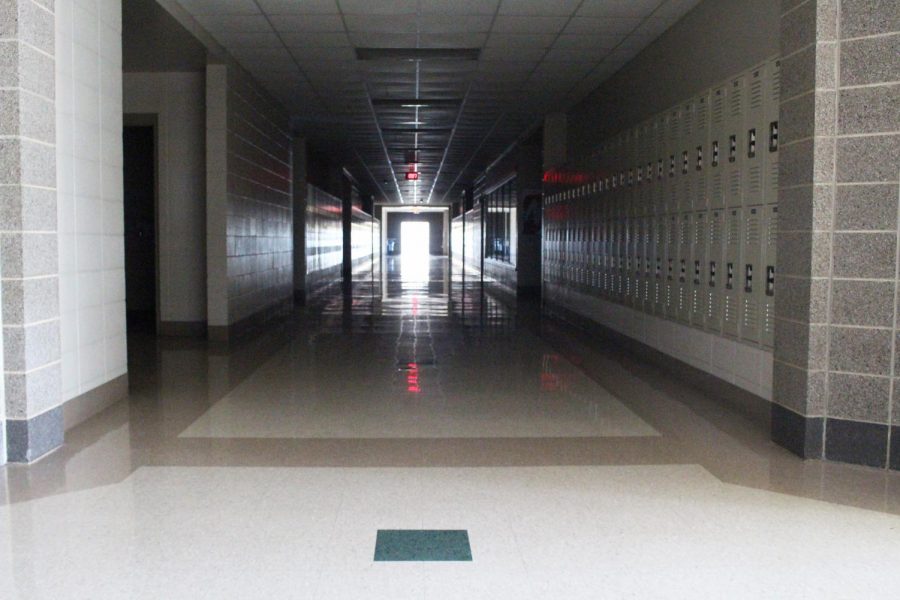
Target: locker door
{"points": [[659, 271], [672, 154], [683, 274], [714, 270], [735, 156], [699, 152], [647, 264], [698, 268], [755, 137], [732, 276], [718, 147], [772, 111], [768, 287], [752, 285], [671, 302], [685, 166]]}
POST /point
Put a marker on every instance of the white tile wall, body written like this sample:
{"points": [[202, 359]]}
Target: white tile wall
{"points": [[745, 366], [179, 100], [89, 178]]}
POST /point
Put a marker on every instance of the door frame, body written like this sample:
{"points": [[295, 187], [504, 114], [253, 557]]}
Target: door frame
{"points": [[150, 120]]}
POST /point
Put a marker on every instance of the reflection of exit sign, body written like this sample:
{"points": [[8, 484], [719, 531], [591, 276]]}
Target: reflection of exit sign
{"points": [[413, 176]]}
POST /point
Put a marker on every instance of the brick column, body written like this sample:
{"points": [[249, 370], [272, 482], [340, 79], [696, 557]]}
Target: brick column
{"points": [[837, 245], [28, 229]]}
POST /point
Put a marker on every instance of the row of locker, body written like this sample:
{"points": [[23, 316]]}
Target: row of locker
{"points": [[717, 150], [711, 269]]}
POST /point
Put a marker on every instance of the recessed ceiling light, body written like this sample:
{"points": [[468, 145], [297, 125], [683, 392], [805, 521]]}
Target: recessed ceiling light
{"points": [[418, 102]]}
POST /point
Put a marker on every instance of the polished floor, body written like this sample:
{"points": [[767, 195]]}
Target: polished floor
{"points": [[420, 402]]}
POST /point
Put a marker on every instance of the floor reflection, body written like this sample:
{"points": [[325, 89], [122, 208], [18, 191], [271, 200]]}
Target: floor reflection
{"points": [[412, 370]]}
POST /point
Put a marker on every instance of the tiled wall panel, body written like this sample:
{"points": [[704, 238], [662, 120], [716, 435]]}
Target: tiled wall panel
{"points": [[249, 199], [90, 200]]}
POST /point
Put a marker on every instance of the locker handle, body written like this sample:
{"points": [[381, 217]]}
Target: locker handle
{"points": [[670, 276], [729, 282], [751, 143], [715, 154], [684, 162], [732, 150], [696, 272], [712, 274], [699, 158], [748, 278], [683, 275], [773, 136], [770, 280]]}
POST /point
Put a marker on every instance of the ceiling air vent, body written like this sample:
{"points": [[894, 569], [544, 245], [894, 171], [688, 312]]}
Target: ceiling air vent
{"points": [[418, 53]]}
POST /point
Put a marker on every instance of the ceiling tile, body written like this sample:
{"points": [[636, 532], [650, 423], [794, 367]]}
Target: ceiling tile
{"points": [[539, 7], [458, 7], [519, 40], [308, 23], [220, 7], [605, 25], [379, 7], [234, 23], [299, 7], [545, 25], [618, 8], [315, 40]]}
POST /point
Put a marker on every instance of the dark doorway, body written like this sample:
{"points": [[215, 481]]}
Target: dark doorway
{"points": [[140, 227]]}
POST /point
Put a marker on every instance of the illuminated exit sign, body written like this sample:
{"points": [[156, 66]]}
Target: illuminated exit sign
{"points": [[412, 176]]}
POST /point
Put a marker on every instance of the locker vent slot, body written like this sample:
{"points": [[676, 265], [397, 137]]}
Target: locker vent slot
{"points": [[756, 93]]}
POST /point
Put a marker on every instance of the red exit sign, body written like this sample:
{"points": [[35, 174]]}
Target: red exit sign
{"points": [[413, 176]]}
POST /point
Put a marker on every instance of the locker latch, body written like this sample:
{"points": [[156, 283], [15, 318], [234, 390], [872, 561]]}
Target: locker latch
{"points": [[773, 136], [630, 177], [658, 268], [770, 280], [683, 275], [729, 282], [672, 165], [751, 143], [659, 169], [732, 150], [671, 265], [696, 272], [712, 274], [715, 154], [699, 158], [748, 278], [684, 162]]}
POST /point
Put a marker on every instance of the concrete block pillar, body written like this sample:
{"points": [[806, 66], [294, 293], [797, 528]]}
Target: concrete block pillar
{"points": [[836, 315], [29, 259]]}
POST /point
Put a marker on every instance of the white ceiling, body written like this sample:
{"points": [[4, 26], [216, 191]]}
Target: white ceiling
{"points": [[537, 56]]}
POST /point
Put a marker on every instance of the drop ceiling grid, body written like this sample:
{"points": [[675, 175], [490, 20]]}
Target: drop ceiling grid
{"points": [[535, 55]]}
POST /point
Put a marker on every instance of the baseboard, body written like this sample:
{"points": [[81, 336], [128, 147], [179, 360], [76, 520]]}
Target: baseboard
{"points": [[736, 397], [245, 327], [187, 329], [81, 408]]}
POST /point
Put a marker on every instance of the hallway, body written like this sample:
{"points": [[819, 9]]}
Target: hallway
{"points": [[265, 470]]}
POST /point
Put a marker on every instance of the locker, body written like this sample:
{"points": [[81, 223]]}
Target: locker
{"points": [[772, 112], [768, 288], [715, 251], [685, 165], [671, 255], [659, 252], [752, 285], [718, 134], [683, 266], [755, 137], [698, 148], [699, 265], [735, 158], [647, 266], [671, 154], [731, 273]]}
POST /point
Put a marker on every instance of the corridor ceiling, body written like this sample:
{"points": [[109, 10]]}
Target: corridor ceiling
{"points": [[510, 62]]}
